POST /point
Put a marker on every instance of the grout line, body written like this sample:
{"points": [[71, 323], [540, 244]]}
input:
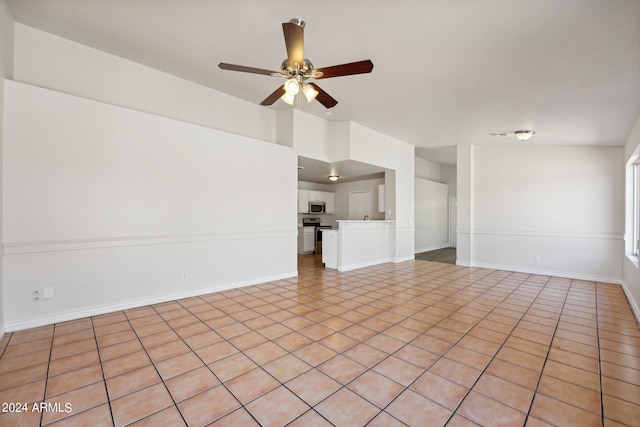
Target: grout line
{"points": [[544, 364], [154, 367], [46, 375], [454, 411], [599, 357], [104, 379]]}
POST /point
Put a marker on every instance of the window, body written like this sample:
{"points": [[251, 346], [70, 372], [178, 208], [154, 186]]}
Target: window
{"points": [[635, 208]]}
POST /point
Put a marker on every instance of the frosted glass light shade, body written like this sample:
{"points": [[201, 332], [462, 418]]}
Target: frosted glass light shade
{"points": [[309, 92], [288, 98], [292, 87]]}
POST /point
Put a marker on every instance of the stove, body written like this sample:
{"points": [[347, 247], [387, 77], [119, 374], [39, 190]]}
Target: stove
{"points": [[311, 222], [315, 222]]}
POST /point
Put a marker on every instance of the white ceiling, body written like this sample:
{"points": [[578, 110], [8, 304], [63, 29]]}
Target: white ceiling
{"points": [[311, 170], [445, 72]]}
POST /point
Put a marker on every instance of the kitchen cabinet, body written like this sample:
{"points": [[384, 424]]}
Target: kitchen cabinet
{"points": [[330, 203], [316, 196], [303, 201], [306, 196], [306, 240]]}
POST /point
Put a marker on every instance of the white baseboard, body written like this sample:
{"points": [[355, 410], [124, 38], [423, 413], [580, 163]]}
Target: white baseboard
{"points": [[403, 259], [632, 302], [542, 272], [126, 305], [357, 265]]}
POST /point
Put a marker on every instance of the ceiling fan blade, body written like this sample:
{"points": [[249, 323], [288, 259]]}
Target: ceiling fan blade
{"points": [[294, 40], [323, 97], [232, 67], [269, 100], [359, 67]]}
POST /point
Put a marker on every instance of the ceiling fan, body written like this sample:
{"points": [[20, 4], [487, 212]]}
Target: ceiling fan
{"points": [[298, 70]]}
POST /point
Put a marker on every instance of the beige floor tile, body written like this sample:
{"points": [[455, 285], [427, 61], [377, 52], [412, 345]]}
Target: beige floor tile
{"points": [[169, 417], [440, 390], [73, 379], [376, 388], [189, 384], [239, 417], [140, 404], [346, 408], [485, 411], [100, 416], [209, 406], [505, 392], [573, 394], [313, 386], [555, 412], [75, 402], [132, 381], [414, 409], [251, 385], [169, 368], [277, 408]]}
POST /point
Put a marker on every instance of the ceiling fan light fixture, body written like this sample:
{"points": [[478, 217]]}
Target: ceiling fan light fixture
{"points": [[292, 87], [524, 135], [288, 98], [309, 92], [333, 177]]}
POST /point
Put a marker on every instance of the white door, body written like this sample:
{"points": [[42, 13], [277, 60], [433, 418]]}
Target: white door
{"points": [[453, 220], [360, 204]]}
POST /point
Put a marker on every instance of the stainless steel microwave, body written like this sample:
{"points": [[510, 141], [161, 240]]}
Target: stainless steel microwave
{"points": [[317, 207]]}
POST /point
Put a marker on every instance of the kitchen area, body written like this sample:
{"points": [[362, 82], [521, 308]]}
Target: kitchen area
{"points": [[343, 221], [316, 212]]}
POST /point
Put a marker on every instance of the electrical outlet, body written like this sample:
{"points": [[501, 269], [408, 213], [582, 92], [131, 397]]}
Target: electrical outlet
{"points": [[35, 295], [537, 258], [185, 274]]}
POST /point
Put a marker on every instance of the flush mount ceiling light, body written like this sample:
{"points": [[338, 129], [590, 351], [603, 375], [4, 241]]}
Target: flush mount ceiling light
{"points": [[522, 135], [333, 177]]}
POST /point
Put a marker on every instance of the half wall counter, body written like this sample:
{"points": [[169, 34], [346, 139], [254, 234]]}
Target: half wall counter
{"points": [[357, 244]]}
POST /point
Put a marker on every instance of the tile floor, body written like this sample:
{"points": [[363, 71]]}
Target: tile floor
{"points": [[417, 343]]}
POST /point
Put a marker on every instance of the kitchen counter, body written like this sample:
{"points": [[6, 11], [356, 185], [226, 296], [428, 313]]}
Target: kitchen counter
{"points": [[355, 221], [357, 244]]}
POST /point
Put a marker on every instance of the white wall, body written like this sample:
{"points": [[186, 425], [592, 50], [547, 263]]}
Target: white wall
{"points": [[464, 178], [375, 148], [43, 59], [6, 71], [448, 175], [426, 169], [343, 189], [109, 206], [630, 268], [432, 225], [563, 204], [310, 136]]}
